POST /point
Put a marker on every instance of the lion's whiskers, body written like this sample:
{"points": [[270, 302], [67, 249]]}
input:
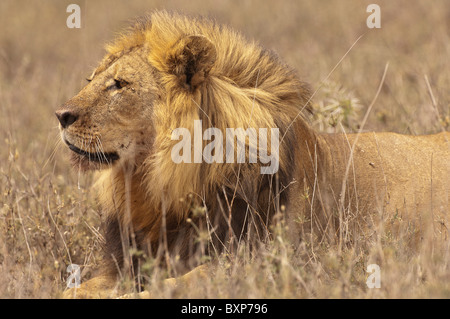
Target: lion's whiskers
{"points": [[88, 148], [51, 157], [100, 146], [98, 152]]}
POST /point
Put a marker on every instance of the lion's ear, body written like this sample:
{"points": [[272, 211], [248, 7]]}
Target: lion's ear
{"points": [[191, 59]]}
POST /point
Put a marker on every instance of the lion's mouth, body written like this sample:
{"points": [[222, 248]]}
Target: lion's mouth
{"points": [[99, 157]]}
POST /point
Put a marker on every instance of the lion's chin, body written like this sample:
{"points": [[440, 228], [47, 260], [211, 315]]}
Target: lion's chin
{"points": [[91, 161], [82, 163]]}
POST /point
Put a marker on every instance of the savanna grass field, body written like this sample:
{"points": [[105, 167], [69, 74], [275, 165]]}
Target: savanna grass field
{"points": [[49, 217]]}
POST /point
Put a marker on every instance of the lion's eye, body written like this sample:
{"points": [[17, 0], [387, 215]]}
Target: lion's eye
{"points": [[119, 83]]}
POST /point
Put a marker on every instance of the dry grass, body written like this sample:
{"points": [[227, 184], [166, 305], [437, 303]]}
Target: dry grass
{"points": [[49, 219]]}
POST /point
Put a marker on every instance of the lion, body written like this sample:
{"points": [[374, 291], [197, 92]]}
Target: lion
{"points": [[168, 71]]}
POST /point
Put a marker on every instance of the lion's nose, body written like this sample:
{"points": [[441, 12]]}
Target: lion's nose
{"points": [[66, 118]]}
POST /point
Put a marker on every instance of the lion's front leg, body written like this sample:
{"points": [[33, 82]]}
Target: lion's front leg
{"points": [[100, 287], [191, 278], [188, 280]]}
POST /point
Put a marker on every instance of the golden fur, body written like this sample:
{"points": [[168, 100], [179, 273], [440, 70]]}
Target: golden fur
{"points": [[170, 70]]}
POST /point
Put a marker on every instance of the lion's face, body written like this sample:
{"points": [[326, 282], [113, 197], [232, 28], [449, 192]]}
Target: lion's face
{"points": [[110, 119]]}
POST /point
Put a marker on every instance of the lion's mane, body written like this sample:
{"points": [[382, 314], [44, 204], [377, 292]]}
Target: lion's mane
{"points": [[233, 84]]}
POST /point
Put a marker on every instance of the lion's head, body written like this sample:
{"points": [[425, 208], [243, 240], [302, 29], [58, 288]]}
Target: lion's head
{"points": [[165, 73], [111, 118]]}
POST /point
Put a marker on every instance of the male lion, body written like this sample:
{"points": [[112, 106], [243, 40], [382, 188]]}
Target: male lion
{"points": [[170, 70]]}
